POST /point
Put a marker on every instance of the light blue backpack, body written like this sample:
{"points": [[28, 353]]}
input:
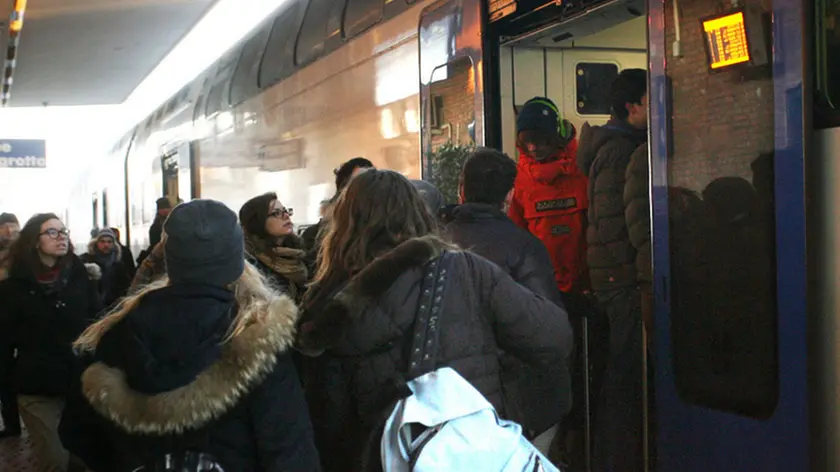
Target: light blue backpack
{"points": [[446, 424]]}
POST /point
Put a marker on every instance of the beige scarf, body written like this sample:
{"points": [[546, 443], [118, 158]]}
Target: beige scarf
{"points": [[284, 260]]}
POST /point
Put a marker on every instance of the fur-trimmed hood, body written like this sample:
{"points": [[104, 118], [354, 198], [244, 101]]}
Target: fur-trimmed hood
{"points": [[117, 248], [325, 323], [165, 368]]}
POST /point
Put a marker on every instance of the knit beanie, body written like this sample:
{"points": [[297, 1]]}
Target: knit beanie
{"points": [[537, 116], [106, 233], [203, 244]]}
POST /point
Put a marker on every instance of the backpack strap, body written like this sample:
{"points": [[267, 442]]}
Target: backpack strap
{"points": [[424, 345]]}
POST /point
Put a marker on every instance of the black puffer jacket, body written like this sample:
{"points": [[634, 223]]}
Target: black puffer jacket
{"points": [[603, 155], [488, 231], [42, 327], [365, 332], [163, 381]]}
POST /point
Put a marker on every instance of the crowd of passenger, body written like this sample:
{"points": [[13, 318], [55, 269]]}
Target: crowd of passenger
{"points": [[236, 344]]}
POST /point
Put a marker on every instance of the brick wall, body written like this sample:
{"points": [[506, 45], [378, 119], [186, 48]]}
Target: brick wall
{"points": [[458, 103], [722, 121]]}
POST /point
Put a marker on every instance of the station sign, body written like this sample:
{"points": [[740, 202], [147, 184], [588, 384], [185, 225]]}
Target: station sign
{"points": [[734, 38], [23, 153], [501, 8]]}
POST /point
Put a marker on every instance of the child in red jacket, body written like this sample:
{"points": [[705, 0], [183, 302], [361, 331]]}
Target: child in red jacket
{"points": [[550, 193], [550, 201]]}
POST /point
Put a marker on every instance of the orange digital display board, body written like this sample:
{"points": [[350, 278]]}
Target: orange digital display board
{"points": [[726, 40]]}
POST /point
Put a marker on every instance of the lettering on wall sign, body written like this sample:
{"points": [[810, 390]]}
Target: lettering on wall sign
{"points": [[23, 153]]}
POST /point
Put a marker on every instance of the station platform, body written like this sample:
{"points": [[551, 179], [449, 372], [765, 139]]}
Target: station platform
{"points": [[16, 454]]}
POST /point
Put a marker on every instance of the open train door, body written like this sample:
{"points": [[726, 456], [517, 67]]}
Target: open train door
{"points": [[451, 88]]}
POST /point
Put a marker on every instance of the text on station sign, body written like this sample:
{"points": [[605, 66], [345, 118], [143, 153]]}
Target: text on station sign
{"points": [[726, 37]]}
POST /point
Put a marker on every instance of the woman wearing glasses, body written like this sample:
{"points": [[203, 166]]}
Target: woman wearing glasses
{"points": [[272, 245], [47, 302]]}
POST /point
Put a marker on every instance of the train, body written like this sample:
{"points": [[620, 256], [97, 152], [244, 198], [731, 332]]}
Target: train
{"points": [[743, 120]]}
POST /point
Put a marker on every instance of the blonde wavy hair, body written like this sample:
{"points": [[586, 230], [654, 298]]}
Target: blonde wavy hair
{"points": [[253, 297]]}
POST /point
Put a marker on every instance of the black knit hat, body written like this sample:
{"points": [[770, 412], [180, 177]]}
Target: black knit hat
{"points": [[203, 244], [537, 115]]}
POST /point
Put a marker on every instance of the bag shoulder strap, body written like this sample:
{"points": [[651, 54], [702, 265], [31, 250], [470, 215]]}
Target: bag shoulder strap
{"points": [[424, 343]]}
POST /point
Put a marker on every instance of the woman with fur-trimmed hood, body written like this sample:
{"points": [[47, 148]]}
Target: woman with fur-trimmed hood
{"points": [[272, 245], [360, 311], [196, 367]]}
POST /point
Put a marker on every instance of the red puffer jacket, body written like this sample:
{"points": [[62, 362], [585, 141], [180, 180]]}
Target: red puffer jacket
{"points": [[550, 200]]}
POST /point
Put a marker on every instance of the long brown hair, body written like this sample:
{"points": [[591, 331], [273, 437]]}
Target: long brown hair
{"points": [[378, 210], [23, 252]]}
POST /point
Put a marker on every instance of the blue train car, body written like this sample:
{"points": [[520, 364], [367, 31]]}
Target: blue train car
{"points": [[734, 215]]}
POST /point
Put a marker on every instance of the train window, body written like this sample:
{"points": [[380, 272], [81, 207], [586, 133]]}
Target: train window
{"points": [[105, 220], [216, 98], [321, 25], [722, 247], [199, 107], [827, 63], [278, 58], [244, 85], [361, 15], [451, 134], [592, 82]]}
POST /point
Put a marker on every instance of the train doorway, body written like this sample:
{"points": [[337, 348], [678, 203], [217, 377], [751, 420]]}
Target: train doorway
{"points": [[571, 54], [475, 77]]}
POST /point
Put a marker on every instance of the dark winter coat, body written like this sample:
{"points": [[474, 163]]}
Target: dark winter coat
{"points": [[488, 232], [637, 211], [128, 260], [42, 326], [163, 381], [364, 332], [116, 276], [604, 155], [637, 216]]}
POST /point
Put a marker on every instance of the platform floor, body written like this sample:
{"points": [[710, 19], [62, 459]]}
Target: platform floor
{"points": [[16, 454]]}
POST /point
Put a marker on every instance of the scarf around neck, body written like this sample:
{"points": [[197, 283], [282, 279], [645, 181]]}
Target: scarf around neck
{"points": [[280, 257]]}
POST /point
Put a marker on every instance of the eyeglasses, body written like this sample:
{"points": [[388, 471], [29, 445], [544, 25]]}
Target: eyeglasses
{"points": [[281, 212], [55, 233]]}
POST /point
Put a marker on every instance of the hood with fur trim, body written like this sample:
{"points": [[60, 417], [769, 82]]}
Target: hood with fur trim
{"points": [[325, 324], [166, 368], [117, 248]]}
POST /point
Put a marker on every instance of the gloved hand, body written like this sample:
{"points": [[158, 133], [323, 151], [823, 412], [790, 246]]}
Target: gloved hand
{"points": [[93, 270]]}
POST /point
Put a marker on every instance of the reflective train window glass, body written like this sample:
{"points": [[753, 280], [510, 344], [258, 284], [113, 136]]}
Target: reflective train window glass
{"points": [[827, 63], [361, 15], [451, 109], [278, 58], [244, 83], [592, 84], [722, 239], [321, 23], [216, 98]]}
